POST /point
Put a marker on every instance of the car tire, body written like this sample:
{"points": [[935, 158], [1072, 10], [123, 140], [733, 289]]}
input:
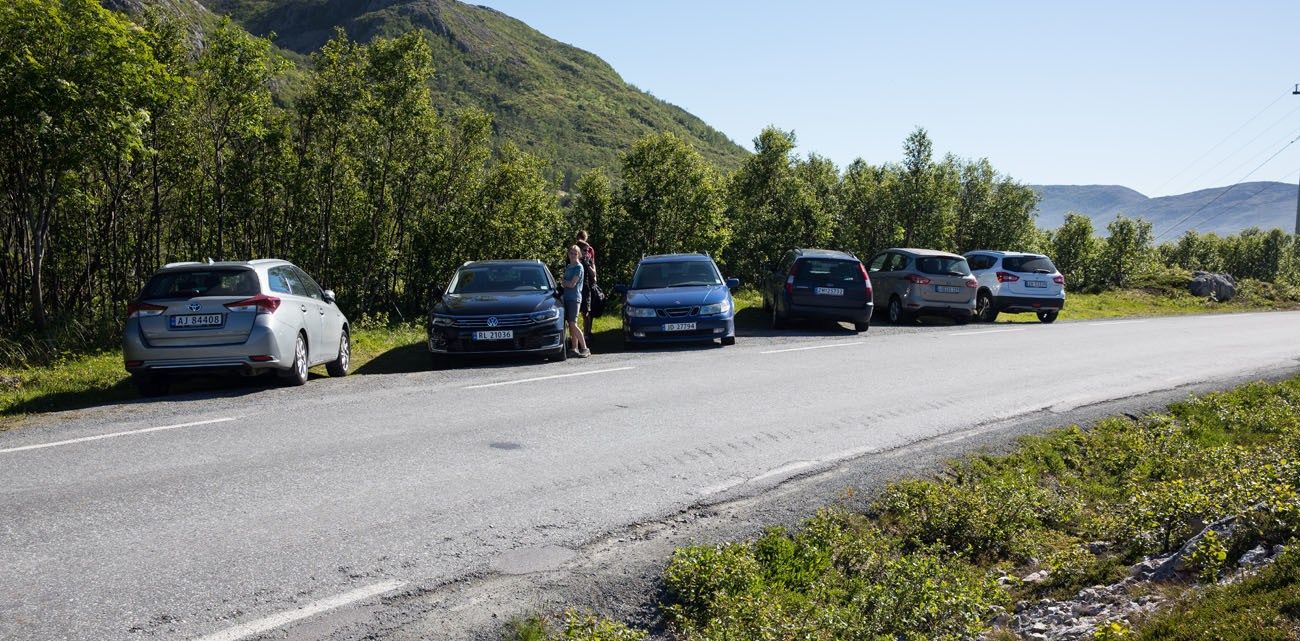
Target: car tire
{"points": [[339, 366], [1048, 317], [861, 326], [151, 385], [898, 315], [560, 355], [297, 373], [728, 340], [961, 319], [778, 319], [984, 308]]}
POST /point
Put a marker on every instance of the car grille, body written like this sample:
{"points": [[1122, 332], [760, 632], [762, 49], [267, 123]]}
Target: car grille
{"points": [[503, 320], [678, 312]]}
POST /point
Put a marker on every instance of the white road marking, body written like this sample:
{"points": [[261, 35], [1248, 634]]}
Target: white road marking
{"points": [[800, 349], [547, 378], [311, 609], [1118, 322], [115, 434], [988, 331]]}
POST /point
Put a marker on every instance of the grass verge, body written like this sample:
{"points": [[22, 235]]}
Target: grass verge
{"points": [[940, 558]]}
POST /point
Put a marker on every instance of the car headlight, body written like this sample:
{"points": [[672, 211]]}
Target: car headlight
{"points": [[640, 312], [443, 321], [546, 315], [716, 308]]}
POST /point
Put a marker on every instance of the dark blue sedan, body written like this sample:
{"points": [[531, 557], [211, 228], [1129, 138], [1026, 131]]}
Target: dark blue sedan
{"points": [[678, 298]]}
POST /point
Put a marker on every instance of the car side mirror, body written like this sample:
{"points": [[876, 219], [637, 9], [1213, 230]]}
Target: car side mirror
{"points": [[733, 283], [620, 289], [330, 297]]}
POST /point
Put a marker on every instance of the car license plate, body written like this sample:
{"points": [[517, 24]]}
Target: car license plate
{"points": [[829, 291], [196, 320], [944, 289], [1035, 283], [495, 335], [679, 327]]}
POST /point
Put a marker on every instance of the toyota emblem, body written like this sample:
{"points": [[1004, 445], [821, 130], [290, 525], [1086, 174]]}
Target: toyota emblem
{"points": [[194, 307], [492, 321]]}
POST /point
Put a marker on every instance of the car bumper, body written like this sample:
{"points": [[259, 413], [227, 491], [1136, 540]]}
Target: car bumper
{"points": [[1028, 304], [529, 339], [651, 330], [262, 342], [850, 314]]}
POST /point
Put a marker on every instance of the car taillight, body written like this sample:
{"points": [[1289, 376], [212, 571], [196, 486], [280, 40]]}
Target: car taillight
{"points": [[865, 279], [1004, 277], [1058, 279], [261, 304], [141, 310], [918, 280], [789, 280]]}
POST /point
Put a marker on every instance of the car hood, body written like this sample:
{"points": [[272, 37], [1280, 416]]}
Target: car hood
{"points": [[494, 303], [677, 296]]}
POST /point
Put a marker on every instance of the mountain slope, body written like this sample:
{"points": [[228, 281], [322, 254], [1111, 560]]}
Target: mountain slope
{"points": [[1259, 204], [554, 100]]}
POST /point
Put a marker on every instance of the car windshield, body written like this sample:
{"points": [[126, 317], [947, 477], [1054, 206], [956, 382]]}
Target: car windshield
{"points": [[1029, 264], [481, 279], [191, 283], [683, 273], [829, 270], [943, 266]]}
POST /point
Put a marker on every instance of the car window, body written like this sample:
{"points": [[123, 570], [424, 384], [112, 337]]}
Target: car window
{"points": [[1029, 264], [828, 270], [787, 261], [310, 287], [480, 279], [878, 263], [295, 286], [682, 273], [943, 266], [980, 261], [202, 282], [276, 278], [897, 263]]}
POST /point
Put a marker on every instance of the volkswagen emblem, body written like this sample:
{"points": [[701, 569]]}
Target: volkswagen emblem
{"points": [[194, 307], [492, 321]]}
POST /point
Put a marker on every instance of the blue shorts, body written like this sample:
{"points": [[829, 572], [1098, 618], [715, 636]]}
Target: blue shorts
{"points": [[570, 311]]}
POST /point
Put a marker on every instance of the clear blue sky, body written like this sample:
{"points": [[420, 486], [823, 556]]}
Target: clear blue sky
{"points": [[1124, 93]]}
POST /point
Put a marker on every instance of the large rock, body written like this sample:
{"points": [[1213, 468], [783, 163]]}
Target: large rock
{"points": [[1220, 287]]}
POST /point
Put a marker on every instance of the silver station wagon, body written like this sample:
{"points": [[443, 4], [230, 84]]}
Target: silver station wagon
{"points": [[248, 317]]}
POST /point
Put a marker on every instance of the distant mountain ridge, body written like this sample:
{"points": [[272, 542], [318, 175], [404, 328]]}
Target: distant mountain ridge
{"points": [[1258, 204], [554, 100]]}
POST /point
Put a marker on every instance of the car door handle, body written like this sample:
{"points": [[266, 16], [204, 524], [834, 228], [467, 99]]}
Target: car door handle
{"points": [[321, 310], [303, 307]]}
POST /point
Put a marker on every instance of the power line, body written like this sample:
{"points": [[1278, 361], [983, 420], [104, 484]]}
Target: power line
{"points": [[1224, 192], [1241, 148], [1244, 200], [1220, 143]]}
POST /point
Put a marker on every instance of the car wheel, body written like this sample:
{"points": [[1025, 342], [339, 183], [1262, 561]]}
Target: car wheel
{"points": [[728, 340], [1047, 317], [339, 366], [778, 319], [984, 308], [897, 316], [560, 355], [151, 385], [297, 374], [861, 326]]}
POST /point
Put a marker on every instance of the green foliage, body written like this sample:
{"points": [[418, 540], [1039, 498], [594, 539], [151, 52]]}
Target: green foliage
{"points": [[578, 626], [1208, 558], [1074, 251], [1125, 254]]}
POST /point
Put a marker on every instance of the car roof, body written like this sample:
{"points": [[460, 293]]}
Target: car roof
{"points": [[244, 264], [994, 252], [923, 252], [825, 253], [664, 258], [502, 262]]}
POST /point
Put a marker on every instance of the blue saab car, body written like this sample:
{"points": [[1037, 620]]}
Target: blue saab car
{"points": [[678, 298]]}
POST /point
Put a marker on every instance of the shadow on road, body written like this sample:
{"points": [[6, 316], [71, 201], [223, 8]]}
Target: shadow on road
{"points": [[123, 392]]}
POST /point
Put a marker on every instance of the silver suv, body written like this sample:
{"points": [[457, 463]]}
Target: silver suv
{"points": [[248, 316], [916, 282], [1014, 282]]}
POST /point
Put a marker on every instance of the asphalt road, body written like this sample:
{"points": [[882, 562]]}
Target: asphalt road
{"points": [[222, 515]]}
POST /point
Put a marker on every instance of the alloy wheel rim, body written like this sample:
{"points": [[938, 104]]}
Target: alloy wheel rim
{"points": [[345, 352], [894, 311], [300, 355]]}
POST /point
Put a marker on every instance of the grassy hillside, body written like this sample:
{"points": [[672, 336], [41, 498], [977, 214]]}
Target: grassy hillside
{"points": [[554, 100], [1259, 204]]}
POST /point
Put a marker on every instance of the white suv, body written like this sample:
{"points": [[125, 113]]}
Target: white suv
{"points": [[1015, 282]]}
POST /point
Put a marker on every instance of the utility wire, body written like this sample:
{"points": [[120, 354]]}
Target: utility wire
{"points": [[1224, 192], [1267, 129], [1220, 143], [1244, 200]]}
